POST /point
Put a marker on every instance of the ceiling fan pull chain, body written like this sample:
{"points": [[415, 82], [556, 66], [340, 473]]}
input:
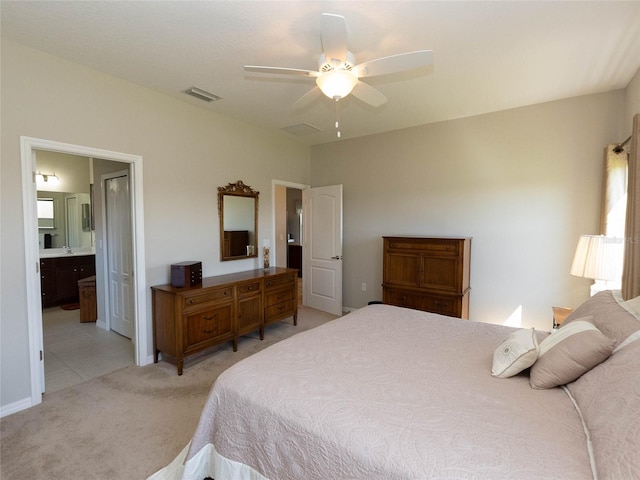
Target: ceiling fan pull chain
{"points": [[337, 116]]}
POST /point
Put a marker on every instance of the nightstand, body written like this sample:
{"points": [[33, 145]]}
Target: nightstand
{"points": [[559, 315]]}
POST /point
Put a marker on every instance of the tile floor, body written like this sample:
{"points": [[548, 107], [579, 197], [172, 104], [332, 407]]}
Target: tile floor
{"points": [[75, 352]]}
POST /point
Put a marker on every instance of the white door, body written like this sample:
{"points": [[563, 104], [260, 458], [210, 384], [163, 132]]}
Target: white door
{"points": [[71, 214], [119, 255], [322, 250]]}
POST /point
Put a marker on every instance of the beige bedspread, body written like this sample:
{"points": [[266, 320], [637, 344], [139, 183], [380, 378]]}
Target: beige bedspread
{"points": [[387, 393]]}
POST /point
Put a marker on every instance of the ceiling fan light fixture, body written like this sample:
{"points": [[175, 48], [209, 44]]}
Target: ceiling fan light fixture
{"points": [[337, 84]]}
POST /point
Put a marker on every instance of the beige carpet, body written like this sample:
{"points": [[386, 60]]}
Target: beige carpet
{"points": [[127, 424]]}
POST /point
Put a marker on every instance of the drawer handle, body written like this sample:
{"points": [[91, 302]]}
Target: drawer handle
{"points": [[280, 307], [208, 331], [281, 296], [191, 301], [269, 284], [209, 317]]}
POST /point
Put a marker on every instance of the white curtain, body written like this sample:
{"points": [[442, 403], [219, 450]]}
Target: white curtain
{"points": [[631, 266], [614, 195]]}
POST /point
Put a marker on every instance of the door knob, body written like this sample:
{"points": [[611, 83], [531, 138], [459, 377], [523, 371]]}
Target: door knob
{"points": [[337, 257]]}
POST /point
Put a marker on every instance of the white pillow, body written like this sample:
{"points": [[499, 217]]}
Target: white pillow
{"points": [[518, 352]]}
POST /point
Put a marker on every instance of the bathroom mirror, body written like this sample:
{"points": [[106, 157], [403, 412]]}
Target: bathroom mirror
{"points": [[238, 212], [64, 218]]}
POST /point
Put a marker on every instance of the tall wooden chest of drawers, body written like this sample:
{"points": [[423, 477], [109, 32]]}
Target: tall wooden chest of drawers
{"points": [[191, 319], [427, 273]]}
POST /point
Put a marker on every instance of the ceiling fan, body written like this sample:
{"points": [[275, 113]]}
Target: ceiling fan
{"points": [[338, 75]]}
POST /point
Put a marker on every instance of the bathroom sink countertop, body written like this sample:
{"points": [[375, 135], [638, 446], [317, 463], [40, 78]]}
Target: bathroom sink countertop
{"points": [[62, 252]]}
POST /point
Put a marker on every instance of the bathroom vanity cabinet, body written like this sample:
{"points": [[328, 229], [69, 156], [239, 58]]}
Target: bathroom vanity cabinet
{"points": [[59, 278]]}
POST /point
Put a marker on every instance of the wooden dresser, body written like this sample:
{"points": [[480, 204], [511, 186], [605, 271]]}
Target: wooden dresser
{"points": [[191, 319], [427, 273]]}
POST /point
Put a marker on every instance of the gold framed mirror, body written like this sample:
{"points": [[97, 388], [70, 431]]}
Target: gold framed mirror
{"points": [[238, 212]]}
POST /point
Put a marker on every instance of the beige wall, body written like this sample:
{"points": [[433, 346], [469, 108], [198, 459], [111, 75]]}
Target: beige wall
{"points": [[188, 152], [524, 183], [632, 104]]}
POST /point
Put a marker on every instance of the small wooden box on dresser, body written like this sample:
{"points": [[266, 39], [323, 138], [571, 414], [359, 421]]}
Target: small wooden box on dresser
{"points": [[191, 319], [427, 273]]}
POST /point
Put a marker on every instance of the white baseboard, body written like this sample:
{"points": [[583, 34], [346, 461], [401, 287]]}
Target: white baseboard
{"points": [[15, 407]]}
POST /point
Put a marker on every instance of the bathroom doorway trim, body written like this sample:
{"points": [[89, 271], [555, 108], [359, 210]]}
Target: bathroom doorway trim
{"points": [[28, 147]]}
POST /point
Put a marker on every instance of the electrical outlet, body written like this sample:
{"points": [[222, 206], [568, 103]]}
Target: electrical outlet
{"points": [[364, 287]]}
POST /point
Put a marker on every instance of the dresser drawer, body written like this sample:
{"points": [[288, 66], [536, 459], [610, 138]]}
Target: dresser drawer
{"points": [[278, 296], [433, 246], [278, 311], [209, 324], [209, 296], [249, 288], [279, 281], [443, 305]]}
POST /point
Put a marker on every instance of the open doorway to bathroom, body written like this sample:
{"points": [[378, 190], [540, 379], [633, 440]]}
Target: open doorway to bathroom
{"points": [[29, 146], [289, 219], [77, 345]]}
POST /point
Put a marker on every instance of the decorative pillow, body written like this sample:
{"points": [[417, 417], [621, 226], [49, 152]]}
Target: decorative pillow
{"points": [[610, 316], [568, 353], [608, 397], [517, 352]]}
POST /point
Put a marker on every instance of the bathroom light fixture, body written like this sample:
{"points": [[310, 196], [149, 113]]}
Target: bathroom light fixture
{"points": [[47, 179]]}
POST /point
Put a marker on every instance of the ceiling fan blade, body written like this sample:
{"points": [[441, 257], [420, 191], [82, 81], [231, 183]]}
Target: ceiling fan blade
{"points": [[334, 38], [281, 71], [394, 63], [368, 94], [307, 98]]}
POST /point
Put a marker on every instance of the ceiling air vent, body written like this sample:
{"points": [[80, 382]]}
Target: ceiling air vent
{"points": [[301, 129], [201, 94]]}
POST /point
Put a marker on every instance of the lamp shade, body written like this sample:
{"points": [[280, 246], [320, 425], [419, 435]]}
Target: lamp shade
{"points": [[337, 83], [598, 257]]}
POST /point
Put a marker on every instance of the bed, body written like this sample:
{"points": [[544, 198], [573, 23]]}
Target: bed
{"points": [[391, 393]]}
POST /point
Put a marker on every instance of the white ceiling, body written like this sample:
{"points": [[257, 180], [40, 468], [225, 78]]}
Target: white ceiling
{"points": [[488, 56]]}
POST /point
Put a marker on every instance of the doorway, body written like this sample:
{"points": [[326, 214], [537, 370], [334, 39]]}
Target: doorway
{"points": [[29, 146], [287, 227], [77, 347]]}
